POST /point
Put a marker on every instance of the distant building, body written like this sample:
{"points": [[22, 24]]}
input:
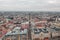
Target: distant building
{"points": [[16, 34], [40, 34]]}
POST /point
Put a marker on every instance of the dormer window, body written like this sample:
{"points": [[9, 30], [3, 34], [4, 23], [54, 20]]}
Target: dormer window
{"points": [[13, 31]]}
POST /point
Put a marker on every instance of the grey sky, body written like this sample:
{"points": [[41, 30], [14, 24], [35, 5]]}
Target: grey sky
{"points": [[29, 5]]}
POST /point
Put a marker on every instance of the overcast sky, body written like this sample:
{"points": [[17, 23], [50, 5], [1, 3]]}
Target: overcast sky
{"points": [[29, 5]]}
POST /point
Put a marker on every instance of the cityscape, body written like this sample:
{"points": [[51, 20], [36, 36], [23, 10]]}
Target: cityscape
{"points": [[29, 25]]}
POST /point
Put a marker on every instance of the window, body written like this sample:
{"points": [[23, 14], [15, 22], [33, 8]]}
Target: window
{"points": [[13, 31], [45, 30], [36, 31]]}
